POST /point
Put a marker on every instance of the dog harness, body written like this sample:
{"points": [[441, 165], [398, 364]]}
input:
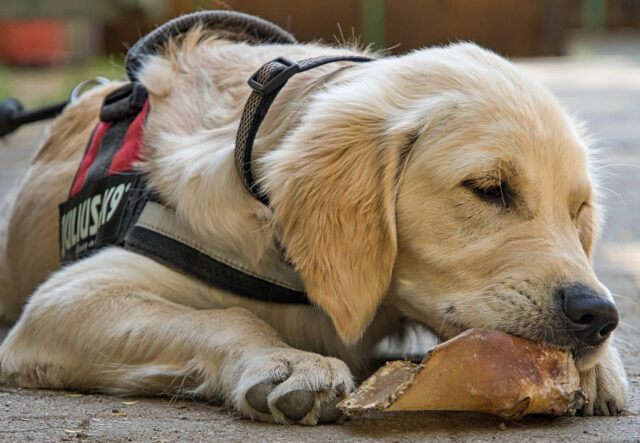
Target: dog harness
{"points": [[110, 204]]}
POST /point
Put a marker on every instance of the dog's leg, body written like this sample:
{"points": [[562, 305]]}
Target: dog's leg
{"points": [[91, 330], [605, 385]]}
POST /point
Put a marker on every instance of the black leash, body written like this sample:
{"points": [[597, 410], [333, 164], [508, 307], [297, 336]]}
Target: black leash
{"points": [[13, 114], [266, 84]]}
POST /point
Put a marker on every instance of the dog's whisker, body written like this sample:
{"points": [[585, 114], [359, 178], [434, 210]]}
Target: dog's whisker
{"points": [[626, 324], [615, 193], [626, 344], [444, 319], [616, 165], [626, 298], [565, 329]]}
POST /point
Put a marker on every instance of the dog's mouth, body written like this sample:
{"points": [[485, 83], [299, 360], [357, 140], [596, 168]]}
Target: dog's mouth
{"points": [[545, 323], [585, 356], [550, 320]]}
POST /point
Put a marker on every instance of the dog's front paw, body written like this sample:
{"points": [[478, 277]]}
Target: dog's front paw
{"points": [[292, 386], [605, 385]]}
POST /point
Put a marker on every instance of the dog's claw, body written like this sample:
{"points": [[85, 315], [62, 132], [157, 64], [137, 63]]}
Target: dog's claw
{"points": [[330, 413], [257, 396], [612, 408], [296, 404]]}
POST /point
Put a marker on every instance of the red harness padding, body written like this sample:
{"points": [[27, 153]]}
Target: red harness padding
{"points": [[131, 151], [89, 156], [124, 158]]}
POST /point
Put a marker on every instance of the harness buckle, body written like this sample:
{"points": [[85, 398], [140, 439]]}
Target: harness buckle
{"points": [[278, 80]]}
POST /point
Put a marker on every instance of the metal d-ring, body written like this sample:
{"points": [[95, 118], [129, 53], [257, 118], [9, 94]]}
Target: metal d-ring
{"points": [[84, 86]]}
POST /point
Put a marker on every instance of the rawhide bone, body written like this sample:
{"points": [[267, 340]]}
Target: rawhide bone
{"points": [[479, 370]]}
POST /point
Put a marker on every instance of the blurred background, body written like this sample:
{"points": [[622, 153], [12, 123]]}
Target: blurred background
{"points": [[47, 46]]}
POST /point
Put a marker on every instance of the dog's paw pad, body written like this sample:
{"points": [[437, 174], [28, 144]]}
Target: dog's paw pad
{"points": [[257, 396], [296, 404]]}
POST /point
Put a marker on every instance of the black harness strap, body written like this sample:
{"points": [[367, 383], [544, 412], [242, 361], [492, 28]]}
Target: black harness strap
{"points": [[266, 83]]}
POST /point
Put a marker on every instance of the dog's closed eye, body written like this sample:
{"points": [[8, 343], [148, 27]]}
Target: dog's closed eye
{"points": [[490, 190], [583, 206]]}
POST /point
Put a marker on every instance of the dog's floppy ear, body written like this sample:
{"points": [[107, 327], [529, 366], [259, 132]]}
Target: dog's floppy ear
{"points": [[333, 186]]}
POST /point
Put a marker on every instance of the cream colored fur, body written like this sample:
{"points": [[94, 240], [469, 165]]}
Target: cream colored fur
{"points": [[364, 166]]}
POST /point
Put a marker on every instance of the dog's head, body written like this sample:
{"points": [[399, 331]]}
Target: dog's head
{"points": [[454, 185]]}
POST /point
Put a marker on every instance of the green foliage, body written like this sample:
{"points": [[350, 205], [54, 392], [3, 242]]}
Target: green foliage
{"points": [[373, 23], [4, 83], [594, 14]]}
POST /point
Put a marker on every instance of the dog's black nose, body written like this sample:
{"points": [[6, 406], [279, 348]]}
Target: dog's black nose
{"points": [[591, 317]]}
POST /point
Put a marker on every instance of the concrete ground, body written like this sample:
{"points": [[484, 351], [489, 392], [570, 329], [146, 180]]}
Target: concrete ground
{"points": [[601, 84]]}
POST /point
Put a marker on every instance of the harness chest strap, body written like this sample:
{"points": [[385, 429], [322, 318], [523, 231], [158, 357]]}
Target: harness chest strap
{"points": [[159, 234]]}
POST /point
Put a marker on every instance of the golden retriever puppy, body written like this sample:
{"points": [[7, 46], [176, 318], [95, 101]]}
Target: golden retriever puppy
{"points": [[443, 186]]}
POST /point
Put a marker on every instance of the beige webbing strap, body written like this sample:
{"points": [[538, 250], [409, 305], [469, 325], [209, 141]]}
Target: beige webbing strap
{"points": [[161, 220]]}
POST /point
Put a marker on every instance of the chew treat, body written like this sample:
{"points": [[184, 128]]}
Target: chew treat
{"points": [[479, 370]]}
